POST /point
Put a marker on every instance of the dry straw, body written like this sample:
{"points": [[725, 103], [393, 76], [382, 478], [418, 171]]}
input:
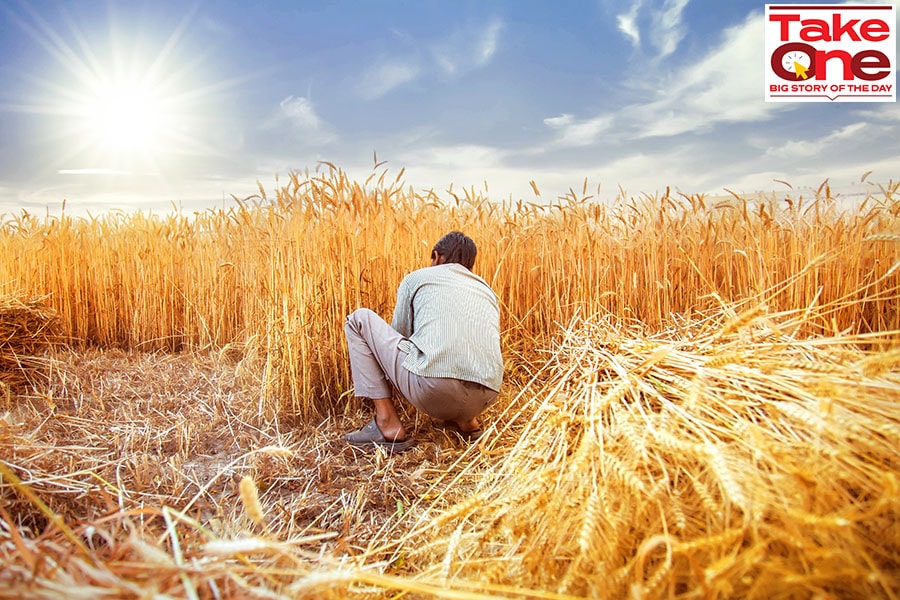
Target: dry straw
{"points": [[28, 328], [716, 418], [768, 481]]}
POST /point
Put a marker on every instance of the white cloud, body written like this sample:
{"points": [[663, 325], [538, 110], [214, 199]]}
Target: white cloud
{"points": [[93, 171], [463, 50], [627, 23], [887, 112], [667, 26], [799, 149], [575, 133], [653, 171], [299, 112], [459, 156], [385, 76], [629, 28], [559, 122], [467, 166], [297, 116], [467, 48], [489, 40], [724, 86], [663, 20]]}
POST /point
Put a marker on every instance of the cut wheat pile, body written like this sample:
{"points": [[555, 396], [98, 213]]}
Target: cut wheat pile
{"points": [[691, 464], [27, 329]]}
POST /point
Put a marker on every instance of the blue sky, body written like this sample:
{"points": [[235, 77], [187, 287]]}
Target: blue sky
{"points": [[134, 104]]}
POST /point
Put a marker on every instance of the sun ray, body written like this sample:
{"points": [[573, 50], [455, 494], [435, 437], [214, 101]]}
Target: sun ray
{"points": [[120, 103]]}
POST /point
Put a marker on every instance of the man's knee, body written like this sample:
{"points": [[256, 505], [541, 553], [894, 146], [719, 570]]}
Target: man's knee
{"points": [[357, 319]]}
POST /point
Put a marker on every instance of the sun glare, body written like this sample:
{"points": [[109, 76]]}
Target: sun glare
{"points": [[127, 116], [127, 103]]}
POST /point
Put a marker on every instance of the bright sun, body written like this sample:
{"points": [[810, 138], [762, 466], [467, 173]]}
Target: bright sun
{"points": [[126, 116], [131, 122], [128, 104]]}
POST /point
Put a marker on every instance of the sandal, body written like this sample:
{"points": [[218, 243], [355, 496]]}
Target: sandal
{"points": [[370, 437], [451, 426]]}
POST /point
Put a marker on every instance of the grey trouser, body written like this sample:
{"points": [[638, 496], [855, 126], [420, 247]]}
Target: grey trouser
{"points": [[376, 364]]}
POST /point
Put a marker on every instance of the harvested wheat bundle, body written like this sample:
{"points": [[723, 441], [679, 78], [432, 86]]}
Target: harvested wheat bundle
{"points": [[27, 329], [669, 466]]}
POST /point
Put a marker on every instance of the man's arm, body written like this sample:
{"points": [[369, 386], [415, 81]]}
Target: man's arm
{"points": [[403, 311]]}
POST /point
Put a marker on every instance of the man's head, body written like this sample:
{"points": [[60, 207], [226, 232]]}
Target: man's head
{"points": [[454, 248]]}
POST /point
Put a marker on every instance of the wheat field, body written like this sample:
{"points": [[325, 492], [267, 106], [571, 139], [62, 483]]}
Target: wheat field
{"points": [[700, 400]]}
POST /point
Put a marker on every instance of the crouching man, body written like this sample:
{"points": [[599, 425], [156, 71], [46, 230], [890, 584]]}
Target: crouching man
{"points": [[441, 352]]}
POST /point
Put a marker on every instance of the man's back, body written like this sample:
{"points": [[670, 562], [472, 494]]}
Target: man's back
{"points": [[451, 319]]}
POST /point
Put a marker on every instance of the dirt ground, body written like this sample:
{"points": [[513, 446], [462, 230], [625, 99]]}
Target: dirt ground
{"points": [[115, 431]]}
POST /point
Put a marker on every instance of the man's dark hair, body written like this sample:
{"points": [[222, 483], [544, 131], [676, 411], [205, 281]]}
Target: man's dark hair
{"points": [[456, 247]]}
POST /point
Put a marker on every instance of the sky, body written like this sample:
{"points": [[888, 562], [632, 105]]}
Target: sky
{"points": [[182, 105]]}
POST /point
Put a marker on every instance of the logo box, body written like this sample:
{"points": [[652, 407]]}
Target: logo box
{"points": [[830, 53]]}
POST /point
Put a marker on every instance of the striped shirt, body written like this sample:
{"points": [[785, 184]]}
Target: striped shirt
{"points": [[450, 318]]}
